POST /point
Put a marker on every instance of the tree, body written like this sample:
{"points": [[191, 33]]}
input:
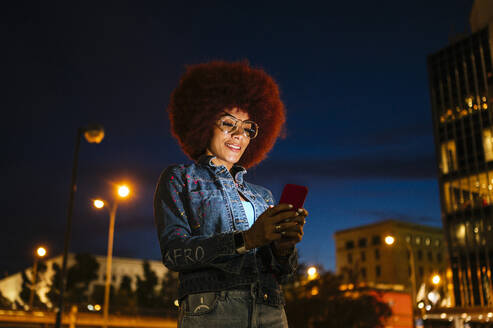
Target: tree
{"points": [[124, 299], [321, 303], [80, 276], [146, 288]]}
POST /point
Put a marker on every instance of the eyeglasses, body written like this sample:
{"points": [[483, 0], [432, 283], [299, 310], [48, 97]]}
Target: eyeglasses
{"points": [[229, 124]]}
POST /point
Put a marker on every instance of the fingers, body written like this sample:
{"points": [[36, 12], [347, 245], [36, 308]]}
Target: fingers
{"points": [[302, 212], [274, 210], [283, 216], [285, 226]]}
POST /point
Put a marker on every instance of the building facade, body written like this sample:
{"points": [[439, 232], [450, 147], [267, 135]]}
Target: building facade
{"points": [[461, 77], [363, 255]]}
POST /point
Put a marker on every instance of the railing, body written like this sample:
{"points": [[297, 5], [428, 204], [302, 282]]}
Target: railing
{"points": [[73, 319]]}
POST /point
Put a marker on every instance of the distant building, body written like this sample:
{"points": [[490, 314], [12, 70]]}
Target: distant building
{"points": [[362, 255], [10, 286], [461, 88]]}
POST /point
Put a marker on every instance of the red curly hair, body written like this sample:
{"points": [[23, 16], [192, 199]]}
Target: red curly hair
{"points": [[206, 90]]}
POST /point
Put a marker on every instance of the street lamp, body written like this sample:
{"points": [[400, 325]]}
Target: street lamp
{"points": [[436, 279], [123, 192], [312, 273], [93, 134], [40, 253], [390, 240]]}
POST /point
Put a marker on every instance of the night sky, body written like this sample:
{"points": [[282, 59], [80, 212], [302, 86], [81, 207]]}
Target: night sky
{"points": [[352, 75]]}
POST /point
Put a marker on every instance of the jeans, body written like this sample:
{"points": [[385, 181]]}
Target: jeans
{"points": [[230, 309]]}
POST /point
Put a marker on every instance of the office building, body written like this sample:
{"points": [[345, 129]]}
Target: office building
{"points": [[461, 77]]}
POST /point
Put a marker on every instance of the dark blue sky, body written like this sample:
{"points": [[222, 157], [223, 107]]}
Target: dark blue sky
{"points": [[352, 75]]}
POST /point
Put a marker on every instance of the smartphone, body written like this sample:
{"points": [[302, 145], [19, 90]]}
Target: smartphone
{"points": [[294, 195]]}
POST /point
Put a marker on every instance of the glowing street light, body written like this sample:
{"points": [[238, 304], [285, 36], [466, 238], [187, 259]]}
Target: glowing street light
{"points": [[41, 251], [98, 203], [436, 279], [123, 191], [389, 240], [312, 273]]}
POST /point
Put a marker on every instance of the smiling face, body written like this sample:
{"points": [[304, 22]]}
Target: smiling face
{"points": [[228, 147]]}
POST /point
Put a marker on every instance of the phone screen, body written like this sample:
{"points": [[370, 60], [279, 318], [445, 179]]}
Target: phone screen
{"points": [[294, 195]]}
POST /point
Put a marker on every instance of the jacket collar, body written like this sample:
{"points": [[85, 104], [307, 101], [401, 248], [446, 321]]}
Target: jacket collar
{"points": [[237, 171]]}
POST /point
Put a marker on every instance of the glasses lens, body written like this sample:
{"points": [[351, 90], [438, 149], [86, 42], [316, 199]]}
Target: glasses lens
{"points": [[250, 128], [227, 124]]}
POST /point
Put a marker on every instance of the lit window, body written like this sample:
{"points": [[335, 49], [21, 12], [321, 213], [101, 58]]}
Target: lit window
{"points": [[418, 240], [449, 159], [428, 241], [487, 145], [408, 239], [437, 243]]}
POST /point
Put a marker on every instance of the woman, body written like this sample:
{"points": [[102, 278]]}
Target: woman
{"points": [[231, 246]]}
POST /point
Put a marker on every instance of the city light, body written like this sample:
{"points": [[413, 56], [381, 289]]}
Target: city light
{"points": [[389, 240], [435, 279], [433, 296], [97, 307], [421, 305], [41, 251], [98, 203], [312, 273], [428, 307], [123, 191], [94, 133]]}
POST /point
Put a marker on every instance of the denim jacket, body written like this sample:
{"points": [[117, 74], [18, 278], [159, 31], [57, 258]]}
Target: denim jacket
{"points": [[197, 208]]}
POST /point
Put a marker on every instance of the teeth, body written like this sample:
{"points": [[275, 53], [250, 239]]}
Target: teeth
{"points": [[233, 146]]}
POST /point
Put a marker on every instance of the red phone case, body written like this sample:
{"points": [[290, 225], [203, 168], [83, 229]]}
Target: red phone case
{"points": [[294, 195]]}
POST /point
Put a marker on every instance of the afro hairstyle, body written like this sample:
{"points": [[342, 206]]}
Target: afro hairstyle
{"points": [[206, 90]]}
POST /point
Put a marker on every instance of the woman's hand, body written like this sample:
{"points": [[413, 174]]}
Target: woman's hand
{"points": [[270, 226], [291, 236]]}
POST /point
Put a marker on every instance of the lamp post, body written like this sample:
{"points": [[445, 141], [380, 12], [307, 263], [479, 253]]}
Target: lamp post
{"points": [[93, 134], [123, 192], [390, 240], [40, 252]]}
